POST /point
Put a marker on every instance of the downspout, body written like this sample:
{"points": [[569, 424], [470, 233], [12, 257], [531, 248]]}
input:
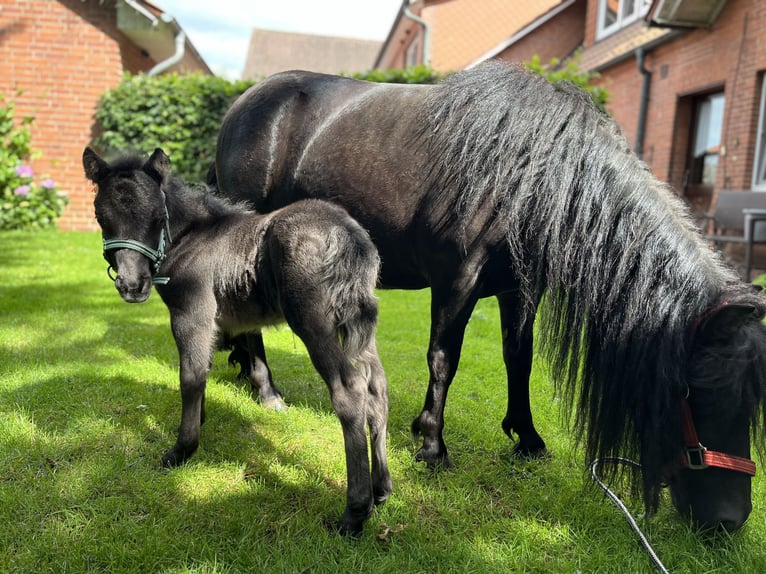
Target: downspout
{"points": [[426, 32], [643, 104], [177, 56]]}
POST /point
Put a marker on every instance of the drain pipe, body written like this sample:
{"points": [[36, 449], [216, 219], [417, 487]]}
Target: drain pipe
{"points": [[426, 32], [644, 103], [179, 53]]}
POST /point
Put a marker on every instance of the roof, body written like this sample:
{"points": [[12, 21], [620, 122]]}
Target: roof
{"points": [[622, 45], [461, 30], [271, 51], [159, 34]]}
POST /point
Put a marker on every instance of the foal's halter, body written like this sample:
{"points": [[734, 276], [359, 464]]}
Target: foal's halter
{"points": [[156, 256]]}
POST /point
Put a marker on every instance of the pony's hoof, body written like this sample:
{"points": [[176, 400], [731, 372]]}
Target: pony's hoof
{"points": [[434, 461], [530, 449], [275, 404], [380, 498], [346, 528], [175, 457]]}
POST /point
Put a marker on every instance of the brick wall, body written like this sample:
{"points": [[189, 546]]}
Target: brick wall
{"points": [[63, 55], [556, 38], [731, 55]]}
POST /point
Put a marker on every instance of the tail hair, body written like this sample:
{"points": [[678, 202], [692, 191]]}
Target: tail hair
{"points": [[352, 266]]}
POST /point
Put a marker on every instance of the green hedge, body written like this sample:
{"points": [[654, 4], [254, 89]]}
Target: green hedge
{"points": [[180, 114]]}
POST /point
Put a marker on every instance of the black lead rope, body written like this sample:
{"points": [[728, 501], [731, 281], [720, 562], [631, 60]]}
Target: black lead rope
{"points": [[628, 516]]}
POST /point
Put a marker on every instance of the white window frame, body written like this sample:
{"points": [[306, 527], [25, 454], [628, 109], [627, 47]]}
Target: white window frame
{"points": [[640, 8], [412, 53], [759, 162]]}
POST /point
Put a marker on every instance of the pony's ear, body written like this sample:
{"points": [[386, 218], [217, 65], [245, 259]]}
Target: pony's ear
{"points": [[158, 165], [95, 167], [726, 319]]}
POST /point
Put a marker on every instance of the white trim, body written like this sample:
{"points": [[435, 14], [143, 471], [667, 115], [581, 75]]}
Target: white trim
{"points": [[760, 134], [622, 21], [520, 34]]}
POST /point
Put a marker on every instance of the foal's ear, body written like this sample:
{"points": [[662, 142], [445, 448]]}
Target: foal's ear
{"points": [[158, 165], [95, 167], [727, 318]]}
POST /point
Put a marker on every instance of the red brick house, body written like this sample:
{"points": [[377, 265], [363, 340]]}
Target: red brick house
{"points": [[450, 34], [56, 59], [686, 77]]}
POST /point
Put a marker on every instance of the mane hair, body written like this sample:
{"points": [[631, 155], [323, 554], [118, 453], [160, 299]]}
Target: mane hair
{"points": [[624, 268], [198, 199]]}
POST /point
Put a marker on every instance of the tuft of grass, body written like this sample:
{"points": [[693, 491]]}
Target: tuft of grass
{"points": [[89, 402]]}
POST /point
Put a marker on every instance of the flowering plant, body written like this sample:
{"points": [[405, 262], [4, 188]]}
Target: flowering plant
{"points": [[25, 201]]}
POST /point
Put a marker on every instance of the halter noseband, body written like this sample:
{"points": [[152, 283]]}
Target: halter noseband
{"points": [[696, 456], [156, 256]]}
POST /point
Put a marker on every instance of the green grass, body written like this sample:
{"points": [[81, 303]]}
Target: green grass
{"points": [[89, 402]]}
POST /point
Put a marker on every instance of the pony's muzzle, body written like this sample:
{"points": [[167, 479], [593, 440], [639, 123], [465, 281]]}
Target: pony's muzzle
{"points": [[134, 290], [717, 501]]}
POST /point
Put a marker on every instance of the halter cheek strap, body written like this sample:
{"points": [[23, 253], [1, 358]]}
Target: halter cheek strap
{"points": [[696, 456]]}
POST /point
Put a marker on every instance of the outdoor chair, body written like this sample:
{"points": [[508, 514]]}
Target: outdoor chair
{"points": [[738, 217]]}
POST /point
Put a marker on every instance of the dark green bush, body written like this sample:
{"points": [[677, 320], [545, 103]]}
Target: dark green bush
{"points": [[421, 74], [554, 72], [180, 114]]}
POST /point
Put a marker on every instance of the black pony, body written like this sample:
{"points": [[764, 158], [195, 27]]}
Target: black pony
{"points": [[497, 183], [219, 267]]}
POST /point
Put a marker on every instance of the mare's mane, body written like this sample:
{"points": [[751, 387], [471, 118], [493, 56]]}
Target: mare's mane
{"points": [[625, 271]]}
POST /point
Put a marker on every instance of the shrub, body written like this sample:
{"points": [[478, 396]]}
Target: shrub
{"points": [[26, 202], [421, 74], [180, 114], [555, 72]]}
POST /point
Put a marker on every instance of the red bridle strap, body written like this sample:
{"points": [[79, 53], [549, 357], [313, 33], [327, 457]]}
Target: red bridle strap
{"points": [[697, 457]]}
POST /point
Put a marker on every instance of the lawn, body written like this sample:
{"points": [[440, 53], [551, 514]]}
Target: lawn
{"points": [[89, 402]]}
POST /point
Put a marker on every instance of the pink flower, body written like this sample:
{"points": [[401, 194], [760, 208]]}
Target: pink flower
{"points": [[24, 170], [48, 183], [22, 190]]}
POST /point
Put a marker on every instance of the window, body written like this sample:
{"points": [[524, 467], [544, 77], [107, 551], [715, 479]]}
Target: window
{"points": [[616, 14], [707, 138], [412, 55], [759, 168]]}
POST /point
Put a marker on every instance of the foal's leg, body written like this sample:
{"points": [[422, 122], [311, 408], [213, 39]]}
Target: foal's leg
{"points": [[377, 420], [348, 391], [195, 339], [517, 354], [451, 307], [259, 373]]}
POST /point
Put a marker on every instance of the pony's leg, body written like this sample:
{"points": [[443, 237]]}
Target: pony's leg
{"points": [[377, 421], [451, 307], [195, 339], [259, 373], [517, 354], [348, 392]]}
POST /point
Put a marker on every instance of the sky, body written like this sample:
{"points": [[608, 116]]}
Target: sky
{"points": [[220, 29]]}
